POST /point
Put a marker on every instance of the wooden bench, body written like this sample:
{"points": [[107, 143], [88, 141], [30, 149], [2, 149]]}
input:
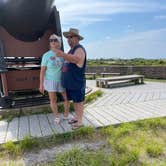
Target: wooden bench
{"points": [[104, 82], [109, 74], [91, 74]]}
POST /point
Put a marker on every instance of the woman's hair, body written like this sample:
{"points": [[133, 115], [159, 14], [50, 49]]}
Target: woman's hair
{"points": [[54, 36]]}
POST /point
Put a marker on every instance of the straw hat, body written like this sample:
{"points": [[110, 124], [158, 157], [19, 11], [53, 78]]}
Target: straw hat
{"points": [[73, 32]]}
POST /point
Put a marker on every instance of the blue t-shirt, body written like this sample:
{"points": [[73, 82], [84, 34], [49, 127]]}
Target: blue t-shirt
{"points": [[53, 64]]}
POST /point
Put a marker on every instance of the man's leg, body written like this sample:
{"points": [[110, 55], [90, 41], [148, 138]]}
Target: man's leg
{"points": [[75, 110], [79, 108]]}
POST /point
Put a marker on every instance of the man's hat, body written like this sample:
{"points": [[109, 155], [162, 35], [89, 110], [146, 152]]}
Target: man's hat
{"points": [[73, 32]]}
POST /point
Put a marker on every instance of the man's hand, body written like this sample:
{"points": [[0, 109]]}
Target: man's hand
{"points": [[59, 53]]}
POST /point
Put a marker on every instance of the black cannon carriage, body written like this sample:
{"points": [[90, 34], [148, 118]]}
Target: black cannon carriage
{"points": [[25, 27]]}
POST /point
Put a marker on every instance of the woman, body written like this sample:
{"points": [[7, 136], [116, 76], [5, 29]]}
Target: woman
{"points": [[50, 77]]}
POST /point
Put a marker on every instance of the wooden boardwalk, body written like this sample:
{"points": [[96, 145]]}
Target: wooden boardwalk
{"points": [[116, 106]]}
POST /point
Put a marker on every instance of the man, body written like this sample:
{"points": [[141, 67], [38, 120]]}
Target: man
{"points": [[73, 74]]}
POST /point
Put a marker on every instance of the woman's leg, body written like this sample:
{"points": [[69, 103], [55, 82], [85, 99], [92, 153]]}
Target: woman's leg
{"points": [[66, 104], [53, 103]]}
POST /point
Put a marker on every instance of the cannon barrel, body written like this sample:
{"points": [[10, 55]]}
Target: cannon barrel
{"points": [[25, 27], [26, 20]]}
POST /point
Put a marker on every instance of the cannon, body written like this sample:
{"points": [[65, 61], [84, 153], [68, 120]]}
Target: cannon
{"points": [[25, 27]]}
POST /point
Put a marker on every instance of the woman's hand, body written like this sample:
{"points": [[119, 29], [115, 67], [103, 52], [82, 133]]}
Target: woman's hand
{"points": [[41, 89]]}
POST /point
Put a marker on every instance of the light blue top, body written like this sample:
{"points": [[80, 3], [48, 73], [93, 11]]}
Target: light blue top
{"points": [[53, 64]]}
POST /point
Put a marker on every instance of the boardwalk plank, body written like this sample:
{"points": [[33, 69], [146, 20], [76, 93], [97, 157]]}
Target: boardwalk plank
{"points": [[57, 128], [142, 97], [114, 99], [99, 117], [136, 107], [34, 126], [3, 130], [128, 97], [109, 116], [12, 132], [66, 126], [44, 125], [163, 95], [155, 108], [92, 119], [120, 111], [135, 111], [126, 112], [146, 112], [99, 101], [122, 98], [115, 114], [85, 121], [23, 127]]}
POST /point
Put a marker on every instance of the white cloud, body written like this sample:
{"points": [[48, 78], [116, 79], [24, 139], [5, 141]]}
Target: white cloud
{"points": [[150, 44], [76, 12]]}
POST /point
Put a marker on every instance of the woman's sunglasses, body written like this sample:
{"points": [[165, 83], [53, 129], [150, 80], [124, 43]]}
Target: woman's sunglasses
{"points": [[53, 40]]}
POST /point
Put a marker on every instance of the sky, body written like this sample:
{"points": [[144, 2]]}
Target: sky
{"points": [[117, 28]]}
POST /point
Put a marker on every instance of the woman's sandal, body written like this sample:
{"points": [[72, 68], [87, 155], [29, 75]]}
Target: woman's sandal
{"points": [[57, 120], [72, 121], [76, 126]]}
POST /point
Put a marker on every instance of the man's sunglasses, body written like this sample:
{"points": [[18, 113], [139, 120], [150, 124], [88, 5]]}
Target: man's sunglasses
{"points": [[70, 37], [53, 40]]}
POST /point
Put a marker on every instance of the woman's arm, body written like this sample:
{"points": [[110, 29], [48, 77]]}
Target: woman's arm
{"points": [[42, 73]]}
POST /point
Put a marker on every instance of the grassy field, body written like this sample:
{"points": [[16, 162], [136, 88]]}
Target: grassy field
{"points": [[155, 80], [125, 62], [141, 143]]}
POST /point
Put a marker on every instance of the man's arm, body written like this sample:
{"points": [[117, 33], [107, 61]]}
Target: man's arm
{"points": [[79, 55]]}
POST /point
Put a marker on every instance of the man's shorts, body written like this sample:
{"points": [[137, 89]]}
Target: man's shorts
{"points": [[76, 95]]}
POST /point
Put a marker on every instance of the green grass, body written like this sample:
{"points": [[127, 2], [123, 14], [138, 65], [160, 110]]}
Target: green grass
{"points": [[155, 80], [16, 149], [132, 144], [77, 157], [29, 143], [126, 62], [10, 147], [93, 96], [137, 143], [155, 149], [140, 143]]}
